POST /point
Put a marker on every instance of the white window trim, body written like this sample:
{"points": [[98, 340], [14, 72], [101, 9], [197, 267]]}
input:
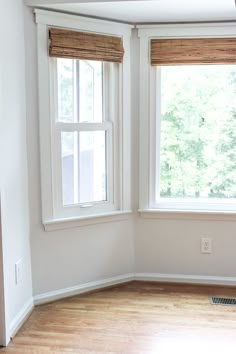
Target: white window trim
{"points": [[180, 209], [58, 224], [187, 214], [44, 19]]}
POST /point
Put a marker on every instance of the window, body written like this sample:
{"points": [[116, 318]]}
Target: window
{"points": [[85, 135], [196, 122], [187, 119], [84, 119]]}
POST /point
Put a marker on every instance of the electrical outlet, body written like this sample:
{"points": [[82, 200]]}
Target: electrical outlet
{"points": [[18, 271], [206, 245]]}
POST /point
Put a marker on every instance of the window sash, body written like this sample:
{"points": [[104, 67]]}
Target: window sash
{"points": [[106, 88], [109, 125], [82, 208], [195, 204], [71, 127], [155, 200]]}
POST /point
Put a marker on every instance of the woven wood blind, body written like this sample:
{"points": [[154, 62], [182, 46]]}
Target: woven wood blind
{"points": [[193, 51], [88, 46]]}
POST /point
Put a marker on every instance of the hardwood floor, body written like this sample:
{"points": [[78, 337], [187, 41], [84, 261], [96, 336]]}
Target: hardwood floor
{"points": [[137, 317]]}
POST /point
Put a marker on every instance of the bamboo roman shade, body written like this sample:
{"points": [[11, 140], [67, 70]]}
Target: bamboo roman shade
{"points": [[193, 51], [83, 45]]}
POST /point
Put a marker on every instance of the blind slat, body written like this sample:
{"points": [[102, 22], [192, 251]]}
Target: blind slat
{"points": [[193, 51], [88, 46]]}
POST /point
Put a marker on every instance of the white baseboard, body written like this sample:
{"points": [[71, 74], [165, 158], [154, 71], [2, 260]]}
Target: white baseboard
{"points": [[21, 317], [158, 277], [182, 278], [75, 290]]}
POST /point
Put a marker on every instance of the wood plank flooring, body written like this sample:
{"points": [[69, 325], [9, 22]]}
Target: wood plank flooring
{"points": [[135, 318]]}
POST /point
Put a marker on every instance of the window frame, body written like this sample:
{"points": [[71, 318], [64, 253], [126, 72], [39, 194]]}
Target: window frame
{"points": [[108, 125], [149, 124], [53, 216]]}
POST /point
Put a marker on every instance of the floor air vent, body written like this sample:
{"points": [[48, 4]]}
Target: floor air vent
{"points": [[228, 301]]}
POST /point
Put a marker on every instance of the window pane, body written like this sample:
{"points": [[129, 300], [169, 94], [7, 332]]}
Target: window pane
{"points": [[84, 173], [65, 90], [198, 132], [90, 91], [80, 90]]}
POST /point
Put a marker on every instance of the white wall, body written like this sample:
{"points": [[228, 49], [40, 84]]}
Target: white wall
{"points": [[173, 247], [13, 162], [71, 257]]}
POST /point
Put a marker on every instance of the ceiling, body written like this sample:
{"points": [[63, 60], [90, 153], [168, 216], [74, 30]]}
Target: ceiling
{"points": [[154, 11]]}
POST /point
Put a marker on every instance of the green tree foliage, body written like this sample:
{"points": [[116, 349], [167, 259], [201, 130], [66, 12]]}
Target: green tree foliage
{"points": [[198, 131]]}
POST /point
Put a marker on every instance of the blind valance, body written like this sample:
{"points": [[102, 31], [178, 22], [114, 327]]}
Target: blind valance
{"points": [[83, 45], [193, 51]]}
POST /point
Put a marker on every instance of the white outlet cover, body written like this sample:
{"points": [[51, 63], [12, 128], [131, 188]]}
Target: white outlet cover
{"points": [[18, 271], [206, 245]]}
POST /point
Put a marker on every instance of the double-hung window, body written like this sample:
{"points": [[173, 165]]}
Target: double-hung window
{"points": [[190, 128], [84, 124], [85, 136]]}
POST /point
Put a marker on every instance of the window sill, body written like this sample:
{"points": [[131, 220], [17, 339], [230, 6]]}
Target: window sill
{"points": [[60, 224], [188, 214]]}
